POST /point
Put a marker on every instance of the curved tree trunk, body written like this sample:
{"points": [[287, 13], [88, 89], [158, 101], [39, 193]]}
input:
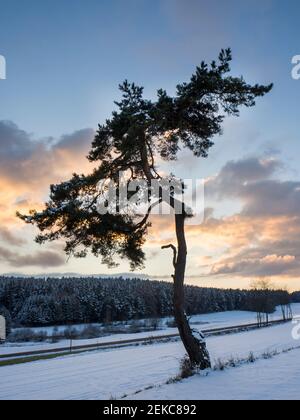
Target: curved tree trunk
{"points": [[195, 346]]}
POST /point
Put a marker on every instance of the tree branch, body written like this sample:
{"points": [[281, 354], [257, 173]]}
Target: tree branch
{"points": [[145, 219], [173, 247]]}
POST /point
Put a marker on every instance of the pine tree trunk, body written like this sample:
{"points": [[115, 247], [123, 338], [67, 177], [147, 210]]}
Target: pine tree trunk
{"points": [[195, 347]]}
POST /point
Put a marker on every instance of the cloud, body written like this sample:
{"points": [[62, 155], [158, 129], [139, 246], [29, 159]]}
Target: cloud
{"points": [[271, 265], [24, 159], [77, 142], [251, 181], [43, 259], [27, 167], [263, 238], [10, 238], [272, 198], [236, 177], [15, 144]]}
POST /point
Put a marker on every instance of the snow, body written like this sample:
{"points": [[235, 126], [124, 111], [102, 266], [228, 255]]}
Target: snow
{"points": [[273, 379], [198, 322], [113, 373]]}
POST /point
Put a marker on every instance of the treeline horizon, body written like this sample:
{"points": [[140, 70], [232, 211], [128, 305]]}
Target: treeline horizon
{"points": [[31, 302]]}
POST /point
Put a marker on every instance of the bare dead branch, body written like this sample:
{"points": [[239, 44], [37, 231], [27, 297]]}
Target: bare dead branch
{"points": [[173, 247]]}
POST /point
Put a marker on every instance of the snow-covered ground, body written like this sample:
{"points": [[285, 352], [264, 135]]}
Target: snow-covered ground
{"points": [[273, 379], [114, 373], [206, 321]]}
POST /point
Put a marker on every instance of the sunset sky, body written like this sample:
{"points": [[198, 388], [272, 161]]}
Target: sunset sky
{"points": [[65, 60]]}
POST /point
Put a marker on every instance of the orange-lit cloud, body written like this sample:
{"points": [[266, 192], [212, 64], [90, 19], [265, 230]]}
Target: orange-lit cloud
{"points": [[27, 168]]}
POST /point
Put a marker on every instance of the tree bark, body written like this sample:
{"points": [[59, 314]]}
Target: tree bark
{"points": [[195, 347]]}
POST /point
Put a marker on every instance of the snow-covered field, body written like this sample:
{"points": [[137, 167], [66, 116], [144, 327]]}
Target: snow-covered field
{"points": [[206, 321], [274, 379], [120, 372]]}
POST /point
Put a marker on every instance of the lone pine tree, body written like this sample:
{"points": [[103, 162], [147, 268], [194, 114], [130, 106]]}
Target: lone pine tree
{"points": [[138, 134]]}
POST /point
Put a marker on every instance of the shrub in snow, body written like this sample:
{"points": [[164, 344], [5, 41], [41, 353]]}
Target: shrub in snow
{"points": [[251, 358], [26, 335], [186, 368]]}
